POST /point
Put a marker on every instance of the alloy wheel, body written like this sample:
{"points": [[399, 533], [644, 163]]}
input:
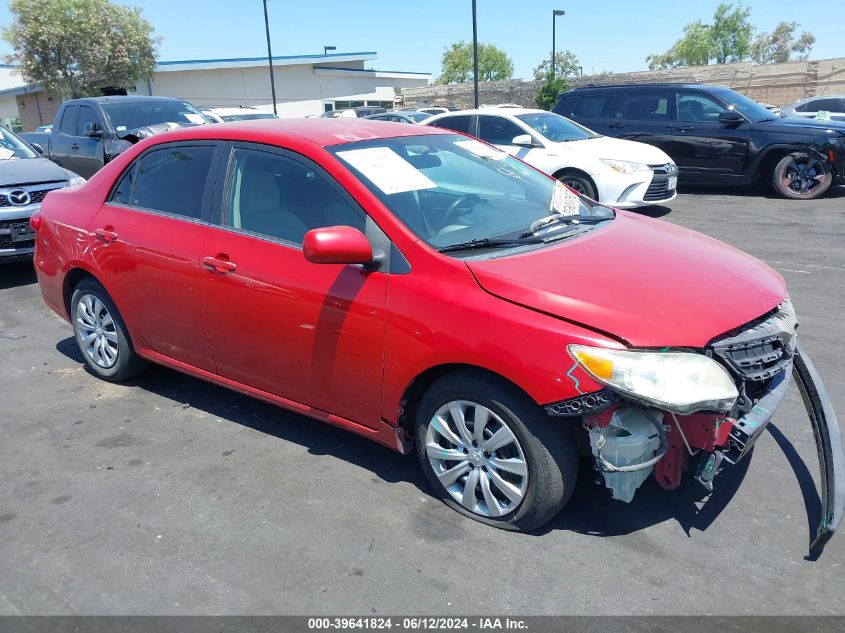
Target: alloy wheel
{"points": [[577, 185], [96, 331], [477, 458], [803, 176]]}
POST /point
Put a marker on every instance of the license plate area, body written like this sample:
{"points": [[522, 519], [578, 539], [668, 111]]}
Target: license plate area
{"points": [[21, 232], [672, 183]]}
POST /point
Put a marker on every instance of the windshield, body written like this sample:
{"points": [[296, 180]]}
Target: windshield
{"points": [[12, 147], [449, 189], [556, 128], [749, 108], [131, 115], [247, 117]]}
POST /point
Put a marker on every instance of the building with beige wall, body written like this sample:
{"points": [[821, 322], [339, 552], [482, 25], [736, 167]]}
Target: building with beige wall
{"points": [[306, 85]]}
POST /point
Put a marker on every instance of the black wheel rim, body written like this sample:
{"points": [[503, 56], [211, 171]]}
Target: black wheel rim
{"points": [[802, 176], [577, 185]]}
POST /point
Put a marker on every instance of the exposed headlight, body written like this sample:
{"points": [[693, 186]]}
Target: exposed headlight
{"points": [[76, 181], [680, 382], [624, 166]]}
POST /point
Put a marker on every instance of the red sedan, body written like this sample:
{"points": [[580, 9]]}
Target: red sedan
{"points": [[424, 289]]}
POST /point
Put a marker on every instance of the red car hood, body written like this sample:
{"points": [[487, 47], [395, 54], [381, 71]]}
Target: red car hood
{"points": [[647, 282]]}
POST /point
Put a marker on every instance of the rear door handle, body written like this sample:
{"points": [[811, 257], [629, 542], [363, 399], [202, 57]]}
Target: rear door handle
{"points": [[74, 146], [222, 266], [616, 126], [106, 234], [685, 128]]}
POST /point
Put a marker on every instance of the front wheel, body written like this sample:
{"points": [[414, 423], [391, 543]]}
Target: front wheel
{"points": [[492, 454], [801, 177], [579, 183]]}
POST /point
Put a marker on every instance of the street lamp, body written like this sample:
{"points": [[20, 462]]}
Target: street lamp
{"points": [[474, 56], [270, 58], [555, 13], [326, 49]]}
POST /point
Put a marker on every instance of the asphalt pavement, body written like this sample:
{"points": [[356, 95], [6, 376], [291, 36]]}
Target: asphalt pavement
{"points": [[167, 495]]}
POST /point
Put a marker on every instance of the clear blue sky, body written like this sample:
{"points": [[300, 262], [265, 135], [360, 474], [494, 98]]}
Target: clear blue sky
{"points": [[409, 35]]}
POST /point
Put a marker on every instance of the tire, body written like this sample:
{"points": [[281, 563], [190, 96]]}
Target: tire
{"points": [[801, 177], [579, 182], [545, 448], [95, 318]]}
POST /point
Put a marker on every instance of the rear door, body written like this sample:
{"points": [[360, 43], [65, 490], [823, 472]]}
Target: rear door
{"points": [[646, 117], [599, 112], [150, 234], [703, 147]]}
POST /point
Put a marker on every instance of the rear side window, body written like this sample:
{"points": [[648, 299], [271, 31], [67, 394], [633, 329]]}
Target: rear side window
{"points": [[173, 179], [592, 105], [647, 106], [68, 125], [456, 123]]}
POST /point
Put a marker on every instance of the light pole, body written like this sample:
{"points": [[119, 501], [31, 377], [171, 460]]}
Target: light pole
{"points": [[326, 49], [555, 13], [270, 57], [474, 56]]}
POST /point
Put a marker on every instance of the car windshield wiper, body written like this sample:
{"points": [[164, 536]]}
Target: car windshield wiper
{"points": [[557, 218], [490, 243]]}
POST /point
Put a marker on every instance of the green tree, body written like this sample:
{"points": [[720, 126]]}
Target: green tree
{"points": [[778, 46], [546, 95], [727, 39], [567, 64], [456, 65], [73, 47]]}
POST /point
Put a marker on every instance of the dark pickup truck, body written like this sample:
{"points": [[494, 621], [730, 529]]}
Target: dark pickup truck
{"points": [[89, 132]]}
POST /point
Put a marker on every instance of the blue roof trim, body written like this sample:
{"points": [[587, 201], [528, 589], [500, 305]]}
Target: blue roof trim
{"points": [[259, 59], [372, 70]]}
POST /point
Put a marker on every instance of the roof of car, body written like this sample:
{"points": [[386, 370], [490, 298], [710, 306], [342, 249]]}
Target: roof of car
{"points": [[125, 98], [323, 132], [646, 85], [509, 111]]}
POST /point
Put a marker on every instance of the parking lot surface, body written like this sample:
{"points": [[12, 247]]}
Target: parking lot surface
{"points": [[167, 495]]}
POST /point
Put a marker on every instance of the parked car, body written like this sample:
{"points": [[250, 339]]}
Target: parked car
{"points": [[358, 112], [400, 116], [522, 321], [44, 129], [624, 174], [809, 108], [227, 114], [25, 179], [716, 135], [90, 132], [772, 108]]}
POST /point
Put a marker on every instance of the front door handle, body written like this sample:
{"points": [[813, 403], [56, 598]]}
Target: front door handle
{"points": [[222, 266], [616, 126], [685, 128], [106, 234], [74, 146]]}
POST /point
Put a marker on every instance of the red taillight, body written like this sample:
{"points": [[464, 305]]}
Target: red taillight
{"points": [[830, 155], [35, 220]]}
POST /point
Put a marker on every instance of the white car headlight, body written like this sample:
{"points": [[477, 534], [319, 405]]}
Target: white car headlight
{"points": [[680, 382], [624, 166], [76, 181]]}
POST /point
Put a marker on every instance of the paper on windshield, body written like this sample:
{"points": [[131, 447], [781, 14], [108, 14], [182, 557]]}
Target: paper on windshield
{"points": [[823, 115], [481, 150], [387, 170], [195, 118], [5, 153], [564, 201]]}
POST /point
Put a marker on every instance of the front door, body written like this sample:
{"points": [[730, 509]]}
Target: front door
{"points": [[149, 236], [311, 333], [87, 158]]}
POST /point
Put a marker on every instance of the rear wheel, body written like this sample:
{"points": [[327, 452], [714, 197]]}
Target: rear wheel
{"points": [[801, 177], [101, 334], [492, 454], [579, 182]]}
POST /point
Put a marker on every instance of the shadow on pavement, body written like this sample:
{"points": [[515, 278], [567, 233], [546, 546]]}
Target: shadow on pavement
{"points": [[653, 211], [749, 191], [17, 274]]}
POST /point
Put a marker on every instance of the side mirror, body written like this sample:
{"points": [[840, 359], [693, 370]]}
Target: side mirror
{"points": [[92, 129], [337, 245], [37, 148], [731, 116], [523, 140]]}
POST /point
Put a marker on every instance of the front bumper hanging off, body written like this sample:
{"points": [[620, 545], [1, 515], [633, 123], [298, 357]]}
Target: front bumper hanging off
{"points": [[828, 445]]}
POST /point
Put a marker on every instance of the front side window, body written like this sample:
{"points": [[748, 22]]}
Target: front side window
{"points": [[87, 115], [449, 189], [173, 179], [277, 196], [647, 106], [556, 128], [497, 130], [457, 123]]}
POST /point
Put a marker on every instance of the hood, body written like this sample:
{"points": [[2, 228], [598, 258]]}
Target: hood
{"points": [[26, 171], [647, 282], [617, 149], [798, 125]]}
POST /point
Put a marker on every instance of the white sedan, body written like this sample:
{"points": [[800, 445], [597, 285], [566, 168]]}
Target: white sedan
{"points": [[615, 172]]}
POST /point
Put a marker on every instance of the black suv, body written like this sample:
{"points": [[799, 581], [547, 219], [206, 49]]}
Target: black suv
{"points": [[716, 135]]}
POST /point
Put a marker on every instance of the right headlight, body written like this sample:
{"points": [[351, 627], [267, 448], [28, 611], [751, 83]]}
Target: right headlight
{"points": [[680, 382], [624, 166]]}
